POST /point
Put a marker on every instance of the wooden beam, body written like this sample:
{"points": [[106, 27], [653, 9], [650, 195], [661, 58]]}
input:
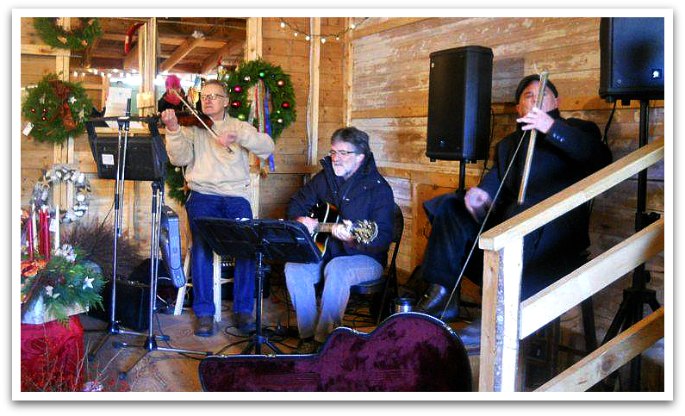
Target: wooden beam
{"points": [[573, 196], [88, 53], [131, 61], [229, 49], [347, 78], [64, 152], [147, 40], [253, 48], [180, 53], [610, 356], [313, 110], [391, 23], [500, 317], [592, 277], [43, 50]]}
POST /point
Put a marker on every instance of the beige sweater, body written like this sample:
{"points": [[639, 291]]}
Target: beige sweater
{"points": [[210, 167]]}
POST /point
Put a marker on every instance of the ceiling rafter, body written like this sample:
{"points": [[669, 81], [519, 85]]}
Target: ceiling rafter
{"points": [[229, 50], [180, 52]]}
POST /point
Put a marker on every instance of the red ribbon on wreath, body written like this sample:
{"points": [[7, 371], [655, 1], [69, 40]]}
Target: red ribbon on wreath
{"points": [[64, 112]]}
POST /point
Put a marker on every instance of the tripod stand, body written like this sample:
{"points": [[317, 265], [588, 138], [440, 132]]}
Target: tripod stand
{"points": [[149, 165], [635, 297], [284, 241]]}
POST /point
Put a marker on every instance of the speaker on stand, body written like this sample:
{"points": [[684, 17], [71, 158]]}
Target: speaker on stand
{"points": [[459, 96], [632, 68], [632, 58]]}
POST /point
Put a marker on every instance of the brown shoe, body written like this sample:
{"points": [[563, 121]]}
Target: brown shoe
{"points": [[204, 326], [307, 346], [244, 323]]}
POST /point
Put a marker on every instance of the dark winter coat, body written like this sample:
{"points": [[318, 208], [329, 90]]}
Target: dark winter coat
{"points": [[569, 152], [366, 195]]}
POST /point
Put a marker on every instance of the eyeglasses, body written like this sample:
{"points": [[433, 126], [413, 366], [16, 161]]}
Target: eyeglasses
{"points": [[342, 153], [211, 97]]}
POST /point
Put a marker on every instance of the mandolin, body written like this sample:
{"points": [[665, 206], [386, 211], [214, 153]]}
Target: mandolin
{"points": [[363, 231]]}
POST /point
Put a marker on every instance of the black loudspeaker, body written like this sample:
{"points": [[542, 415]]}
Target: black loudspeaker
{"points": [[133, 300], [459, 94], [133, 297], [632, 58]]}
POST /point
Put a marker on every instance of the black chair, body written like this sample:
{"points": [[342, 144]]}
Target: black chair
{"points": [[384, 289]]}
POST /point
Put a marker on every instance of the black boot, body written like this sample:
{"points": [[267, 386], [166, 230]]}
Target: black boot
{"points": [[434, 300]]}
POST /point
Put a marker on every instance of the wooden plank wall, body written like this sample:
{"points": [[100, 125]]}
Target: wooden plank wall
{"points": [[389, 90], [292, 53], [280, 47], [38, 60], [390, 95]]}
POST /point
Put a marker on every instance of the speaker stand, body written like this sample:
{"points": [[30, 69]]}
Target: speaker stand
{"points": [[637, 296], [462, 176]]}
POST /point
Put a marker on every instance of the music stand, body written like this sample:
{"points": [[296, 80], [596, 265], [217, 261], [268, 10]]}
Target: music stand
{"points": [[275, 240], [149, 164]]}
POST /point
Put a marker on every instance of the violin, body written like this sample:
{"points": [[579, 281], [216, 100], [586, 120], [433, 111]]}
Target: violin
{"points": [[186, 118], [199, 119]]}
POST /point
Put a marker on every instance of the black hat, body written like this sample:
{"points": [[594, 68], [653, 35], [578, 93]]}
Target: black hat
{"points": [[527, 80]]}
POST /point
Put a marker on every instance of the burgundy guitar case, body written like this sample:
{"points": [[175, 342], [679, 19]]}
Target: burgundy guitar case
{"points": [[406, 352]]}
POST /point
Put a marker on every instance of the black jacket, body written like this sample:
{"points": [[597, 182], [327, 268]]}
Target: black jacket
{"points": [[364, 196], [569, 152], [163, 104]]}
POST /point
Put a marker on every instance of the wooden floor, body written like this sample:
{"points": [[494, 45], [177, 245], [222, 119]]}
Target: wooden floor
{"points": [[164, 371]]}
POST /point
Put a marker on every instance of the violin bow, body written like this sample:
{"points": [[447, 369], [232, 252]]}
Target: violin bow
{"points": [[193, 112], [531, 142]]}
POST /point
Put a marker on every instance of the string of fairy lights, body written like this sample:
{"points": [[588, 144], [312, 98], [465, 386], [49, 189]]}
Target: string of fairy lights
{"points": [[297, 32], [284, 24], [108, 73]]}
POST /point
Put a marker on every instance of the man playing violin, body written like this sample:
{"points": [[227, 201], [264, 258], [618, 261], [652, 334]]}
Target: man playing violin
{"points": [[350, 182], [566, 151], [218, 175]]}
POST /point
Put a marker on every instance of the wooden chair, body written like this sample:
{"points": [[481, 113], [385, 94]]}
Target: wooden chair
{"points": [[218, 281]]}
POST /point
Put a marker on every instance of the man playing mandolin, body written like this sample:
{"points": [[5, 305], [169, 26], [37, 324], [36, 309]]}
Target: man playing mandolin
{"points": [[218, 174], [351, 183]]}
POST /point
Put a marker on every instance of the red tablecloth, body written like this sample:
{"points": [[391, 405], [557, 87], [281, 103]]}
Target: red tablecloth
{"points": [[52, 356]]}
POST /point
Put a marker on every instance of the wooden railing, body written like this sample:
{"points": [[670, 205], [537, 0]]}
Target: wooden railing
{"points": [[506, 320]]}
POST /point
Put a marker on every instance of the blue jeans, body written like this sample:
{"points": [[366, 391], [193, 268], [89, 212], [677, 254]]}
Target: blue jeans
{"points": [[202, 205], [339, 275]]}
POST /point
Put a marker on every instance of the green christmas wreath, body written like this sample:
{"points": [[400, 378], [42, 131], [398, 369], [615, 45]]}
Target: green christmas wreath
{"points": [[56, 110], [281, 106], [57, 37], [278, 84]]}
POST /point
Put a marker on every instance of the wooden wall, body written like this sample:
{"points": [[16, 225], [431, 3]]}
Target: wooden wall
{"points": [[292, 53], [279, 47], [390, 95], [383, 89], [387, 95]]}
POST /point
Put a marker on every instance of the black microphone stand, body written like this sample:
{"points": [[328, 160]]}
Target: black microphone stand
{"points": [[150, 343], [114, 326]]}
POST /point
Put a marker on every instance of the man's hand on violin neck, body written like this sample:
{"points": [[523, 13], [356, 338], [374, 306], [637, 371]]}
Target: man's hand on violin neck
{"points": [[170, 120]]}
